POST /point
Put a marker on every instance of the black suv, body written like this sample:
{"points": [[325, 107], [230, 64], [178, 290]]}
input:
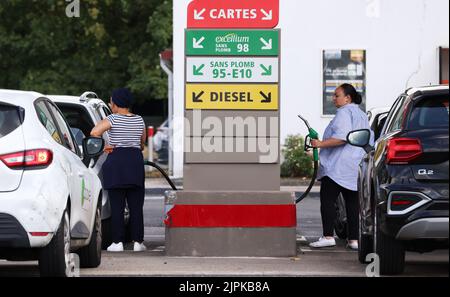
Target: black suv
{"points": [[403, 181]]}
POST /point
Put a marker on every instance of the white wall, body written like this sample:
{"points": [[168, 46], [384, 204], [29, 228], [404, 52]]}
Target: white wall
{"points": [[401, 39]]}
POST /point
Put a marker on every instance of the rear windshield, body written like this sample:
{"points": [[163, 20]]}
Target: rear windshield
{"points": [[9, 119], [430, 112]]}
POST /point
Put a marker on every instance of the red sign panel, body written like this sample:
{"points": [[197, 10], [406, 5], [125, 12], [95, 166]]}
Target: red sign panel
{"points": [[233, 14]]}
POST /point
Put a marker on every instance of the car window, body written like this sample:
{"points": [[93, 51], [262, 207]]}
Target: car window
{"points": [[77, 116], [46, 119], [428, 113], [395, 116], [64, 128], [9, 119], [399, 118], [378, 124], [106, 111]]}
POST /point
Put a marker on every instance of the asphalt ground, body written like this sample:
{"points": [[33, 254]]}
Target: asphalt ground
{"points": [[329, 262]]}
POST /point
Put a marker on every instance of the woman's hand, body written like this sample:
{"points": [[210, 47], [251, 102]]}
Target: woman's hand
{"points": [[316, 143], [108, 149]]}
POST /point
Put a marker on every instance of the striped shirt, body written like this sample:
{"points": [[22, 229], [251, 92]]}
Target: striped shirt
{"points": [[126, 131]]}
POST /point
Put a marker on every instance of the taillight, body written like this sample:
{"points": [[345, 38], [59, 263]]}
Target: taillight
{"points": [[404, 202], [31, 158], [403, 150]]}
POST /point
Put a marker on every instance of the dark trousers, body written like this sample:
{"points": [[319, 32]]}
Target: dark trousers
{"points": [[329, 192], [135, 199]]}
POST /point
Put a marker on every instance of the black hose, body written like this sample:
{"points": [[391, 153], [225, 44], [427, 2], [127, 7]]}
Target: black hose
{"points": [[154, 165], [311, 184]]}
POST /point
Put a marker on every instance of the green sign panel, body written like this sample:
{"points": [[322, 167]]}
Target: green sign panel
{"points": [[232, 42]]}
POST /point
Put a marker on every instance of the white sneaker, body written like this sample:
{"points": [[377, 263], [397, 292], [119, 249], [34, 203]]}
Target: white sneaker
{"points": [[323, 242], [139, 247], [352, 244], [115, 247]]}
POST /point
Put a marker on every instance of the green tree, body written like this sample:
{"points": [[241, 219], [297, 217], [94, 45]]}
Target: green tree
{"points": [[297, 163], [113, 43]]}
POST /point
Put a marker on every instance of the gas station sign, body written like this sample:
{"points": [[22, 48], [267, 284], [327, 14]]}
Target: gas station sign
{"points": [[232, 96], [235, 70], [233, 14], [232, 42], [232, 135]]}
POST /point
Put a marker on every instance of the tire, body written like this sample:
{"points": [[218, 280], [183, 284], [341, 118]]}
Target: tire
{"points": [[127, 234], [390, 251], [91, 255], [54, 259], [365, 244], [340, 228], [340, 224], [106, 233]]}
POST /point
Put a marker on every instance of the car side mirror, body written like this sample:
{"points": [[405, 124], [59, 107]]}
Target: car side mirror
{"points": [[360, 138], [92, 147]]}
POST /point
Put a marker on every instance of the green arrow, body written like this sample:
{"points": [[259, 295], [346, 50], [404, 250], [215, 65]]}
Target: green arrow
{"points": [[267, 71], [198, 71]]}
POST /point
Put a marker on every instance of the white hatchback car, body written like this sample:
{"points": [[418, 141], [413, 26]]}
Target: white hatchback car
{"points": [[50, 197]]}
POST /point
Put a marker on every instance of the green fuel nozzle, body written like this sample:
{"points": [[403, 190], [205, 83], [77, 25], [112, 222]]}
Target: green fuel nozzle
{"points": [[312, 134]]}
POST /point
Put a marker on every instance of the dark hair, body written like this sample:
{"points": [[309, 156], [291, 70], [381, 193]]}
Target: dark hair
{"points": [[350, 90], [122, 97]]}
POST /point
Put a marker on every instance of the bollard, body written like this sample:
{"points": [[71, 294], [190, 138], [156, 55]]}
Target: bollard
{"points": [[150, 133]]}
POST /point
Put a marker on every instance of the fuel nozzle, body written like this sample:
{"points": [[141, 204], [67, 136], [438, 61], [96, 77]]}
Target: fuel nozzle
{"points": [[312, 134]]}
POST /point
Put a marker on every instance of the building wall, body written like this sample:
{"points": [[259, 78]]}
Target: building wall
{"points": [[401, 39]]}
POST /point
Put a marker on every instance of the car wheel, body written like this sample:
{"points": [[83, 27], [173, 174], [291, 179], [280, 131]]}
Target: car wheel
{"points": [[54, 259], [365, 244], [390, 251], [91, 255], [340, 224], [106, 233]]}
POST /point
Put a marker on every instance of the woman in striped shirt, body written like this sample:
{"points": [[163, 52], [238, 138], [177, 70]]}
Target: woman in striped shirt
{"points": [[123, 170]]}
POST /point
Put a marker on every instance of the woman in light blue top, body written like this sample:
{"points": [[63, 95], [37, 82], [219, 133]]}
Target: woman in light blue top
{"points": [[339, 162]]}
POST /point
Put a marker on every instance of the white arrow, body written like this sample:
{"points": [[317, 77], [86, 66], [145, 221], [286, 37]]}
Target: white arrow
{"points": [[198, 43], [267, 15], [267, 45], [199, 15]]}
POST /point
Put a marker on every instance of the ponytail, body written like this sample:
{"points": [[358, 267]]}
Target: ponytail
{"points": [[350, 90]]}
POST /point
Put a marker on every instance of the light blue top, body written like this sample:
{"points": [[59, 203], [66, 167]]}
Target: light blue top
{"points": [[341, 163]]}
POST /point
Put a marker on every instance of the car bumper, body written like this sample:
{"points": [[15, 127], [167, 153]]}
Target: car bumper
{"points": [[429, 221], [12, 233], [430, 228], [36, 206]]}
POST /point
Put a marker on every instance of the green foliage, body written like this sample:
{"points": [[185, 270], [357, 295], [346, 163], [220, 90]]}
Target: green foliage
{"points": [[114, 43], [297, 163]]}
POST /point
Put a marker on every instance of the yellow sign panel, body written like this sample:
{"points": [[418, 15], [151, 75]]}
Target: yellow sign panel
{"points": [[232, 96]]}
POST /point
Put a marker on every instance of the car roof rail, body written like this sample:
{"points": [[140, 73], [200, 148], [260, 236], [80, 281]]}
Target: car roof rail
{"points": [[85, 96]]}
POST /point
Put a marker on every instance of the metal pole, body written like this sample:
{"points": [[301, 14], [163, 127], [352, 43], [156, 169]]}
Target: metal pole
{"points": [[150, 133], [169, 73]]}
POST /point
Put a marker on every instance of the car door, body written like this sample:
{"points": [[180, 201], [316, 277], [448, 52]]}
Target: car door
{"points": [[368, 181], [81, 180]]}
